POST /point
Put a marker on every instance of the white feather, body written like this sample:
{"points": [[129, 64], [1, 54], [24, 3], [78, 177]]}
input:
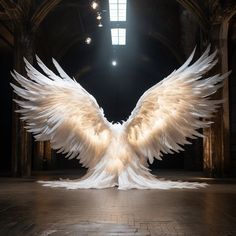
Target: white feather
{"points": [[63, 112], [59, 109], [173, 110]]}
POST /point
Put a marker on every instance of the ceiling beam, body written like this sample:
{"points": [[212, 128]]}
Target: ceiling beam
{"points": [[12, 9], [6, 36], [196, 10], [42, 11]]}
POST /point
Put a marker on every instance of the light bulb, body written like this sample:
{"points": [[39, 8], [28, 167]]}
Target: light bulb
{"points": [[99, 17], [94, 5], [88, 40], [114, 63]]}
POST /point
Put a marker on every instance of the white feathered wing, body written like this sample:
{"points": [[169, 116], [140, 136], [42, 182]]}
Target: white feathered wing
{"points": [[174, 109], [60, 110]]}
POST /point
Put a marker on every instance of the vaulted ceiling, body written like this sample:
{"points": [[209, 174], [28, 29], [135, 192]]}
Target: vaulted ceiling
{"points": [[64, 24], [160, 35]]}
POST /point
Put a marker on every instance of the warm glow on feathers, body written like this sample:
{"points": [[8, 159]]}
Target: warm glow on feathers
{"points": [[58, 109]]}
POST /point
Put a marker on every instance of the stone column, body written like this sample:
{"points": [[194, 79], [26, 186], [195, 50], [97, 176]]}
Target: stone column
{"points": [[216, 143], [25, 17], [21, 140]]}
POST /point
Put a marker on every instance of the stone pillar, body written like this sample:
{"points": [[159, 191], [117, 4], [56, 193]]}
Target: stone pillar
{"points": [[216, 142], [21, 140], [24, 149], [25, 16]]}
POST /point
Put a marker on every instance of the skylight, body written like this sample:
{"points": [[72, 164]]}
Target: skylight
{"points": [[118, 36], [117, 10]]}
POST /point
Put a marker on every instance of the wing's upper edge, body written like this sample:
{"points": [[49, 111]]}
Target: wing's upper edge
{"points": [[55, 107], [184, 93]]}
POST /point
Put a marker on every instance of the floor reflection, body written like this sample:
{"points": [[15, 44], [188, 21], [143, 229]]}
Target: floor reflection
{"points": [[27, 208]]}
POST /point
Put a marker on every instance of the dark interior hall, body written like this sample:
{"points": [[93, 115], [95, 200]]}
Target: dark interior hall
{"points": [[160, 36]]}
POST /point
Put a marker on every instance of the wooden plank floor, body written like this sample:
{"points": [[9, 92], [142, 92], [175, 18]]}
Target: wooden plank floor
{"points": [[27, 208]]}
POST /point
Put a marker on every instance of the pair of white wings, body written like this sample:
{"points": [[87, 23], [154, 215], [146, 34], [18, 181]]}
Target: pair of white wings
{"points": [[59, 109]]}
